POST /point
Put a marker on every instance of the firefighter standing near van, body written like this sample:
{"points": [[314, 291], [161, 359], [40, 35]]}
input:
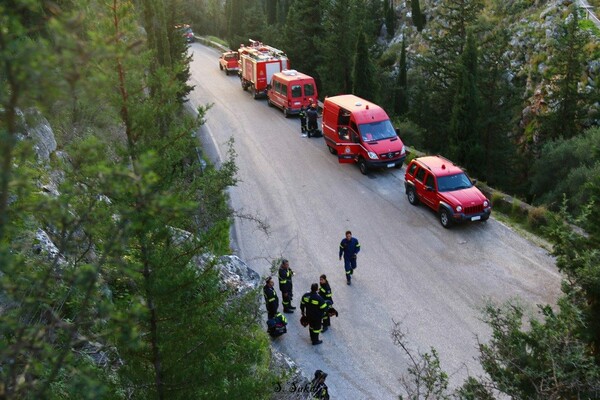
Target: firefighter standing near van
{"points": [[286, 286], [325, 293], [302, 115], [271, 299], [314, 308], [349, 248], [312, 115]]}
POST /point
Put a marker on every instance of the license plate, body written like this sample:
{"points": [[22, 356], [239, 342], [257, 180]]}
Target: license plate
{"points": [[391, 165], [476, 218]]}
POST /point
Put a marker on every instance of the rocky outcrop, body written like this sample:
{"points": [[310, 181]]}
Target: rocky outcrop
{"points": [[35, 127]]}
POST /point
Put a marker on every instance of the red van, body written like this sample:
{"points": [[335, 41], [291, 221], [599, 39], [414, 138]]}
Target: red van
{"points": [[359, 131], [290, 90]]}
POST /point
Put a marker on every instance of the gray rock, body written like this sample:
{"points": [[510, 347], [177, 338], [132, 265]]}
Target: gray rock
{"points": [[37, 128], [235, 275], [295, 385], [45, 246]]}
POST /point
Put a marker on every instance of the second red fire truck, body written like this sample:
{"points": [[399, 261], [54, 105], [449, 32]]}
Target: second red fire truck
{"points": [[258, 63]]}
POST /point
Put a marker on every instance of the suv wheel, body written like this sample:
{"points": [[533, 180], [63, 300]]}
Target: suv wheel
{"points": [[286, 113], [412, 196], [332, 150], [221, 67], [445, 218], [362, 165]]}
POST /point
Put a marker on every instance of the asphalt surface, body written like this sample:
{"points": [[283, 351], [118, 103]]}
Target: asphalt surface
{"points": [[410, 269]]}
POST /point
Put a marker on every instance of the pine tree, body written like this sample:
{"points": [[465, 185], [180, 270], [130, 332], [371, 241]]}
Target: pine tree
{"points": [[337, 45], [418, 18], [303, 33], [568, 65], [401, 100], [363, 72], [439, 66], [271, 6], [500, 106], [390, 18], [465, 141]]}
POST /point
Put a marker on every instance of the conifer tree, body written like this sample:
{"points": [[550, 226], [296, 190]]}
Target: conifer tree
{"points": [[271, 6], [401, 100], [440, 65], [363, 72], [303, 33], [465, 139], [500, 106], [418, 18], [336, 46], [567, 66], [390, 18]]}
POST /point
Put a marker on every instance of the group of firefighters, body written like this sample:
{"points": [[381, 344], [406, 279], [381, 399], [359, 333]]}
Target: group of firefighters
{"points": [[311, 115], [316, 305]]}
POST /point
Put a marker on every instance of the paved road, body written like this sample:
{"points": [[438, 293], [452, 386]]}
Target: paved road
{"points": [[410, 269]]}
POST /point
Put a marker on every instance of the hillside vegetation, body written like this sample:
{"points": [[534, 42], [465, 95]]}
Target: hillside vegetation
{"points": [[102, 291]]}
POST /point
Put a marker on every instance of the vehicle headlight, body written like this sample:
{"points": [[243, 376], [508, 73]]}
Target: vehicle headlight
{"points": [[485, 203], [372, 155], [458, 208], [403, 151]]}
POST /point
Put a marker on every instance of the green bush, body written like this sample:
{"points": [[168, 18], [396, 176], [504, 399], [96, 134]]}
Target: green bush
{"points": [[537, 217], [410, 133]]}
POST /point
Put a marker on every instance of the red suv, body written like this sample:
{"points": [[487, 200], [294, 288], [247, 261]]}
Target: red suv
{"points": [[445, 188]]}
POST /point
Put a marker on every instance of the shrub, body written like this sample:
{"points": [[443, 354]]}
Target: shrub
{"points": [[537, 217]]}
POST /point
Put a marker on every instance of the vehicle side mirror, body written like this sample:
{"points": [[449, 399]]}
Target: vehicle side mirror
{"points": [[429, 188], [397, 131], [474, 182]]}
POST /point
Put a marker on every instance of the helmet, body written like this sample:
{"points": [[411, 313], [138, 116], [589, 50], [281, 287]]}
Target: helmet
{"points": [[320, 374]]}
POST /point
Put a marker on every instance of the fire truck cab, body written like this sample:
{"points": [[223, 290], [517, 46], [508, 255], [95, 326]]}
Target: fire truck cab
{"points": [[290, 90], [359, 131]]}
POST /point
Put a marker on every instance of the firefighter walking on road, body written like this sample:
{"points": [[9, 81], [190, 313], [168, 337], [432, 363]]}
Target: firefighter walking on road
{"points": [[349, 248], [286, 286], [271, 299], [314, 308], [325, 293]]}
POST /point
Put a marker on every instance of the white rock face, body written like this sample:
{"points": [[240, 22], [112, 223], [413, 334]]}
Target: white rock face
{"points": [[37, 128]]}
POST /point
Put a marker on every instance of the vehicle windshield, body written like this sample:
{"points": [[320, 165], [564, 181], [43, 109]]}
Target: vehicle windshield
{"points": [[453, 182], [377, 131], [230, 57]]}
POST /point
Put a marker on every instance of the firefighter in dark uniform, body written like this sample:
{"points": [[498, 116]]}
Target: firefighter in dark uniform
{"points": [[302, 116], [314, 308], [325, 293], [312, 114], [349, 248], [271, 299], [286, 286], [318, 388]]}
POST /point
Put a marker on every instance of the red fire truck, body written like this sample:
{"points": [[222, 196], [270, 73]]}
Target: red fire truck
{"points": [[258, 63]]}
